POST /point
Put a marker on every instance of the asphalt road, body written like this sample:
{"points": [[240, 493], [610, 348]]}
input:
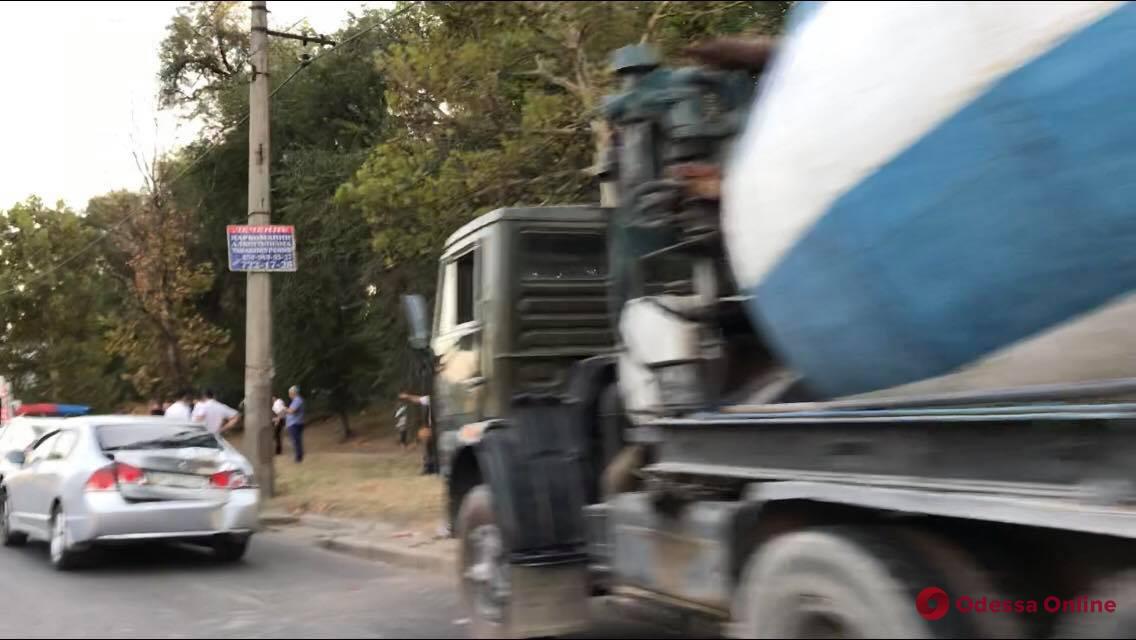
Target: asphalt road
{"points": [[284, 588]]}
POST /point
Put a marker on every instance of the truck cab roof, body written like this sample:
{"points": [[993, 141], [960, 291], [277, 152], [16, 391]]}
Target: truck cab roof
{"points": [[562, 213]]}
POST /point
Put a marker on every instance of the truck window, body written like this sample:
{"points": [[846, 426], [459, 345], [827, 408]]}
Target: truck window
{"points": [[458, 293], [466, 289], [549, 255]]}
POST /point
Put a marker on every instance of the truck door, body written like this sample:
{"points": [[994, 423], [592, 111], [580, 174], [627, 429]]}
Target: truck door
{"points": [[459, 387]]}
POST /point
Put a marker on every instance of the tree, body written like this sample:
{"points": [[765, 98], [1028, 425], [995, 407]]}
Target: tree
{"points": [[423, 117], [204, 60], [160, 335], [324, 124], [496, 104], [56, 298], [426, 116]]}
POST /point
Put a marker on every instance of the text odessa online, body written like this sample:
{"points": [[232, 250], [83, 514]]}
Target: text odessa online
{"points": [[1051, 604]]}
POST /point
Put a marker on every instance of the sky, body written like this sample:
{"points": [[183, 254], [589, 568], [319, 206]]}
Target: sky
{"points": [[73, 110]]}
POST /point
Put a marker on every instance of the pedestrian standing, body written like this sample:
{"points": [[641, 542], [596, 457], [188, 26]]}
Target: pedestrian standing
{"points": [[182, 408], [430, 451], [218, 417], [279, 412], [402, 424], [294, 422]]}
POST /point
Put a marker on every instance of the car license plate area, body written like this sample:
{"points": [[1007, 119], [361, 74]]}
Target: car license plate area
{"points": [[176, 480]]}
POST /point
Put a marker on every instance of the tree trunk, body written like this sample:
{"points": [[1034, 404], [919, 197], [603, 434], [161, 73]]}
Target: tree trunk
{"points": [[345, 426]]}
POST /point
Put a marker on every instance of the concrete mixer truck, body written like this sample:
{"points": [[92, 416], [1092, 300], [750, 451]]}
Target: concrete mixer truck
{"points": [[851, 354]]}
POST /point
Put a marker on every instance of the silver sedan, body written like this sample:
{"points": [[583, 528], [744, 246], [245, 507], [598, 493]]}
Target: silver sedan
{"points": [[119, 479]]}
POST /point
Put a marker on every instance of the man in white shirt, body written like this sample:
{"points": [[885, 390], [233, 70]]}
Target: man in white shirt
{"points": [[217, 416], [279, 410], [182, 408]]}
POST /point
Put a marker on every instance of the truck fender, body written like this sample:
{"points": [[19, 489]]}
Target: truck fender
{"points": [[535, 465], [593, 385], [464, 473]]}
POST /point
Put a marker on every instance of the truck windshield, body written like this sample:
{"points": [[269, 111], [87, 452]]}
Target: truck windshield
{"points": [[564, 255]]}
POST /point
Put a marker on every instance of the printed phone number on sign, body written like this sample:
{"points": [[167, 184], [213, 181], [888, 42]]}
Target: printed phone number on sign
{"points": [[264, 264]]}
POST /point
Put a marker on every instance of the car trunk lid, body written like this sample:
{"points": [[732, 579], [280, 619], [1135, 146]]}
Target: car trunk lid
{"points": [[173, 474]]}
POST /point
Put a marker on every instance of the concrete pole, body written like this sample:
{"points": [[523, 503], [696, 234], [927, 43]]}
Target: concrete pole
{"points": [[258, 319]]}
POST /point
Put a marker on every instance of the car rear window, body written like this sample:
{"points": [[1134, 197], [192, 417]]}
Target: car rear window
{"points": [[113, 437], [19, 436]]}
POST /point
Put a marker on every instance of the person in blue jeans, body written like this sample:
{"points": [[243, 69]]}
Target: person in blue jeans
{"points": [[294, 422]]}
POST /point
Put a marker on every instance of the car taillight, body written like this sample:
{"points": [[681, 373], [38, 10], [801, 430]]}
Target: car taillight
{"points": [[102, 480], [229, 480], [128, 474], [110, 477]]}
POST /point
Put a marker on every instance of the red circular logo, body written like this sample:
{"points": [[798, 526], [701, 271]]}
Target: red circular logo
{"points": [[932, 603]]}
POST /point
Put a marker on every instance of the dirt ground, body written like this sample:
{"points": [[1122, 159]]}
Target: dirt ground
{"points": [[368, 476]]}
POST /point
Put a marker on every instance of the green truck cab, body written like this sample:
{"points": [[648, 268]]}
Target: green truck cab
{"points": [[521, 295]]}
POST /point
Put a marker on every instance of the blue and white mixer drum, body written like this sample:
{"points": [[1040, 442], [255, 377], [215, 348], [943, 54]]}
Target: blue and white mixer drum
{"points": [[934, 197]]}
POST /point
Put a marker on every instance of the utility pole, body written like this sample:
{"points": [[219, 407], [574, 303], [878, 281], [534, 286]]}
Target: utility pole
{"points": [[258, 309]]}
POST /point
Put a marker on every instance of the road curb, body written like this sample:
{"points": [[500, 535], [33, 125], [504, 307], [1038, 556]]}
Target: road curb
{"points": [[277, 519], [389, 553]]}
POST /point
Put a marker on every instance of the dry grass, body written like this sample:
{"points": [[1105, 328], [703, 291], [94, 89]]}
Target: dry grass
{"points": [[384, 486], [368, 476]]}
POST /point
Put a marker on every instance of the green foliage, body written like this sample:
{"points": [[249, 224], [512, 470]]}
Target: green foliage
{"points": [[204, 58], [422, 119], [323, 126], [159, 334], [53, 314], [496, 105]]}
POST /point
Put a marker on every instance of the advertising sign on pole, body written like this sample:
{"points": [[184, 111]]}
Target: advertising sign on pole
{"points": [[267, 248]]}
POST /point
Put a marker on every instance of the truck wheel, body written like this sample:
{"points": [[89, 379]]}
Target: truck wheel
{"points": [[978, 571], [1121, 623], [483, 565], [842, 582]]}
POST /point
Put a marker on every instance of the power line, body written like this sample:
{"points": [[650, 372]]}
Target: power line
{"points": [[358, 34], [208, 149]]}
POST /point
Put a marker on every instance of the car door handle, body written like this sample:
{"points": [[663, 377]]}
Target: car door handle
{"points": [[473, 383]]}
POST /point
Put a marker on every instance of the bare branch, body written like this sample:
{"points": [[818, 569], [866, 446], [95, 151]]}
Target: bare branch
{"points": [[653, 21], [217, 33], [224, 58], [555, 131], [542, 71], [582, 78], [723, 7]]}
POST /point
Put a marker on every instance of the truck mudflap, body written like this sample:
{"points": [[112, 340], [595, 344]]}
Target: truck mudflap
{"points": [[536, 469]]}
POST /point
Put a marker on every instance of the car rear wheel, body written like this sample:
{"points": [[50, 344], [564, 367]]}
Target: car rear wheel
{"points": [[63, 554], [9, 537], [230, 548]]}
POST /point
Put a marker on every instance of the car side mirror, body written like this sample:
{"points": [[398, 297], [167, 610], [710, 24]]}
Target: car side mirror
{"points": [[15, 457], [417, 320]]}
